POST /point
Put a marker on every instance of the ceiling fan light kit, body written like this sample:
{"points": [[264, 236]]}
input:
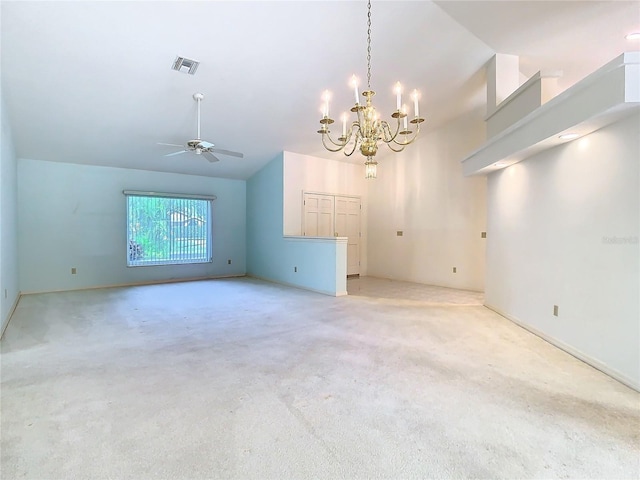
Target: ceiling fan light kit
{"points": [[368, 129], [199, 146]]}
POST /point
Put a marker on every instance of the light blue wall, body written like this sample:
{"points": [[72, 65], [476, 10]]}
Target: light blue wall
{"points": [[8, 221], [264, 218], [75, 216], [320, 263]]}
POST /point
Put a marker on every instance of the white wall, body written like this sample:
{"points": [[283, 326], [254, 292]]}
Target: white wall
{"points": [[563, 230], [75, 216], [315, 264], [312, 174], [9, 291], [423, 193]]}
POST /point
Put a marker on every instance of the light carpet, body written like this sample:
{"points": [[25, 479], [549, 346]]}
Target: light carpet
{"points": [[240, 378]]}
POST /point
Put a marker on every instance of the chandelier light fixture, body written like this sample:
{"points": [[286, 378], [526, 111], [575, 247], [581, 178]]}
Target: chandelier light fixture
{"points": [[368, 129]]}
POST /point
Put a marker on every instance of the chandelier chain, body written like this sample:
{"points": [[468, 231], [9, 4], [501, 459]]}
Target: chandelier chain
{"points": [[369, 45]]}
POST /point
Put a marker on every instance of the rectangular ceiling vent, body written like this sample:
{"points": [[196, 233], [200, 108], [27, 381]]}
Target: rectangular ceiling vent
{"points": [[185, 65]]}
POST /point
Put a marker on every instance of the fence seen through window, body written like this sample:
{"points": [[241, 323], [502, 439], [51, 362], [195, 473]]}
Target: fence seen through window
{"points": [[168, 230]]}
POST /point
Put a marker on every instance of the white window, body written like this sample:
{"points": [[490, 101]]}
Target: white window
{"points": [[165, 229]]}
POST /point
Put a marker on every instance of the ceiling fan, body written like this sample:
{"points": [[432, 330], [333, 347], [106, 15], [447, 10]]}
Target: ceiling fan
{"points": [[199, 146]]}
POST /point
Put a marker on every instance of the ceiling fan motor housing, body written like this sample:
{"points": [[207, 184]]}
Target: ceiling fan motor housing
{"points": [[194, 145]]}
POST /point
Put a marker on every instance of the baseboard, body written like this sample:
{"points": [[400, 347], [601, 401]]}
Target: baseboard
{"points": [[10, 314], [597, 364], [421, 282], [137, 284], [287, 284]]}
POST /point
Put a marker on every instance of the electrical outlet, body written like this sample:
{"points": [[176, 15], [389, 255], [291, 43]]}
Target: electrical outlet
{"points": [[483, 235], [555, 310], [73, 270], [229, 262], [455, 270], [295, 269]]}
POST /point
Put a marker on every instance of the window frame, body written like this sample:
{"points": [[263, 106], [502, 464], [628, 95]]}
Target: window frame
{"points": [[177, 196]]}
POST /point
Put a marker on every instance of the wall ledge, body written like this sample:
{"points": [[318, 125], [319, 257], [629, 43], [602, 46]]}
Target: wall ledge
{"points": [[604, 97], [537, 77]]}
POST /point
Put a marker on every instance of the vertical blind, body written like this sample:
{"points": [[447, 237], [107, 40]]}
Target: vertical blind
{"points": [[167, 229]]}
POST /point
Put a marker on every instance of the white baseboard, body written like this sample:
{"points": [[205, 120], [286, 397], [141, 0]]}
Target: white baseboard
{"points": [[597, 364], [301, 287], [10, 314], [137, 284]]}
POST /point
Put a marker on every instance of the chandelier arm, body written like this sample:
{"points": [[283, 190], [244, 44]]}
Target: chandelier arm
{"points": [[413, 137], [395, 135], [397, 150], [339, 143], [353, 149], [388, 137], [328, 147], [359, 115]]}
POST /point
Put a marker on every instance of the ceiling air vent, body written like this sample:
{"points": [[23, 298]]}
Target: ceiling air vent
{"points": [[185, 65]]}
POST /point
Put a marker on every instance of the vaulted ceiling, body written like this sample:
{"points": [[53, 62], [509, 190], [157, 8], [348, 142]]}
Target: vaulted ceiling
{"points": [[90, 82]]}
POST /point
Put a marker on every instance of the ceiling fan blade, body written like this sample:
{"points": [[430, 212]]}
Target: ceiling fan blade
{"points": [[210, 156], [206, 144], [171, 144], [175, 153], [227, 152]]}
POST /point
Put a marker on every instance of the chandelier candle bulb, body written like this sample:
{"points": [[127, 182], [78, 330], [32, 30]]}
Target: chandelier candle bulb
{"points": [[415, 103], [398, 95], [354, 83], [326, 103]]}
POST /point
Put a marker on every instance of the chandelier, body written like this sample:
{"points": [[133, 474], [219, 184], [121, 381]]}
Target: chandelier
{"points": [[368, 129]]}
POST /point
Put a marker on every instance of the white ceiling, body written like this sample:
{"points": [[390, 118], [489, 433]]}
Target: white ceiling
{"points": [[90, 82]]}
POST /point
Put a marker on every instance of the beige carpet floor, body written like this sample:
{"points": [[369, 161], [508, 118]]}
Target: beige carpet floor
{"points": [[242, 379]]}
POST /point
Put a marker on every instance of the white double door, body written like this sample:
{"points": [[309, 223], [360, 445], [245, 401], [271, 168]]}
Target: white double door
{"points": [[334, 216]]}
